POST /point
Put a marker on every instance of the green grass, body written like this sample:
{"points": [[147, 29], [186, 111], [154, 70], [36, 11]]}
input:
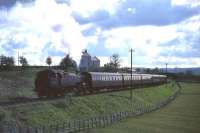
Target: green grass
{"points": [[87, 106], [22, 83], [17, 83], [181, 116]]}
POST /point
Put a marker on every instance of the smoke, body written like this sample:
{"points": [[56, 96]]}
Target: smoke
{"points": [[39, 29]]}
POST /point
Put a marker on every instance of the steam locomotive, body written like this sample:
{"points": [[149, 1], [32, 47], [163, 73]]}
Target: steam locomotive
{"points": [[54, 83]]}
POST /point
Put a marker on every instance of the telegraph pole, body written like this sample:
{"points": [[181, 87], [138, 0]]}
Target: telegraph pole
{"points": [[18, 58], [131, 91], [166, 66]]}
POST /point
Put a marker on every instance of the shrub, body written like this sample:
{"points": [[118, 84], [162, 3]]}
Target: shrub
{"points": [[2, 114]]}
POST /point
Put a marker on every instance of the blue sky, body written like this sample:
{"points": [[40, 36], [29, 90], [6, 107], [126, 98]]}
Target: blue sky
{"points": [[160, 31]]}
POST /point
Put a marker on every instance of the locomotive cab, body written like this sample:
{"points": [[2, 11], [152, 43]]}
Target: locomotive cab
{"points": [[52, 83]]}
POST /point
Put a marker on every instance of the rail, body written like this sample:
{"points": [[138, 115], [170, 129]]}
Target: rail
{"points": [[94, 122], [21, 101]]}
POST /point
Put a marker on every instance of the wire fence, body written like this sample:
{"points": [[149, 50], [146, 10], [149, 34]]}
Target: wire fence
{"points": [[94, 122]]}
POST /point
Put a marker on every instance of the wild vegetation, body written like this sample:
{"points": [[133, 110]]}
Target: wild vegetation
{"points": [[22, 83], [181, 116]]}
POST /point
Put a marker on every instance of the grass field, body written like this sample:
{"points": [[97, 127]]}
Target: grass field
{"points": [[180, 116], [17, 83], [81, 107]]}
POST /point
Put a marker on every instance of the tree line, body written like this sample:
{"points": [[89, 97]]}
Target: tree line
{"points": [[8, 63], [68, 64]]}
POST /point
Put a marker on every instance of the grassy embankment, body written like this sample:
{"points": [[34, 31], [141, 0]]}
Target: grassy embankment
{"points": [[81, 107], [17, 83], [181, 116]]}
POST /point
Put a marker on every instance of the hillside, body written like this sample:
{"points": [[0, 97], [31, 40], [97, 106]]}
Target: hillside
{"points": [[78, 108], [181, 116]]}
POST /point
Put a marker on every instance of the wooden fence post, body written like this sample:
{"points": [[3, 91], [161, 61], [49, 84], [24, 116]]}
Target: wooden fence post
{"points": [[88, 123], [104, 124]]}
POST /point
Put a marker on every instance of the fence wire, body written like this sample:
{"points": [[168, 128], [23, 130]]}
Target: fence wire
{"points": [[94, 122]]}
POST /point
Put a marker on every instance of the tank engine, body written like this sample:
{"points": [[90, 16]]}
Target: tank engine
{"points": [[53, 83]]}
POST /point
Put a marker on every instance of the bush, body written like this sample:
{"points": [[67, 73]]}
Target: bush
{"points": [[2, 114]]}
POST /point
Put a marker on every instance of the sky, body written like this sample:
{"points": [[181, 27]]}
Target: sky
{"points": [[160, 31]]}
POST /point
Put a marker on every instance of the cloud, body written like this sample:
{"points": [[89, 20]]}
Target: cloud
{"points": [[143, 12], [10, 3], [177, 62], [180, 41], [191, 3], [89, 7], [159, 30], [44, 30]]}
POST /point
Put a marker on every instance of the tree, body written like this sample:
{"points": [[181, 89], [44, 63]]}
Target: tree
{"points": [[6, 62], [23, 61], [189, 72], [113, 65], [138, 69], [68, 63], [147, 70], [107, 67], [115, 61], [155, 70], [49, 61]]}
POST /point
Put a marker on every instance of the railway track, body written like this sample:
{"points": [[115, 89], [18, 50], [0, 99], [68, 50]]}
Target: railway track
{"points": [[25, 101], [21, 101]]}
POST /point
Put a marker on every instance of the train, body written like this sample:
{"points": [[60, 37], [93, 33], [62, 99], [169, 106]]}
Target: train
{"points": [[55, 83]]}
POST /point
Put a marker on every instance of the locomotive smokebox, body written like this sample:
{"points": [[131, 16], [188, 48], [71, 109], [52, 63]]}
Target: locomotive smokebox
{"points": [[51, 83]]}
